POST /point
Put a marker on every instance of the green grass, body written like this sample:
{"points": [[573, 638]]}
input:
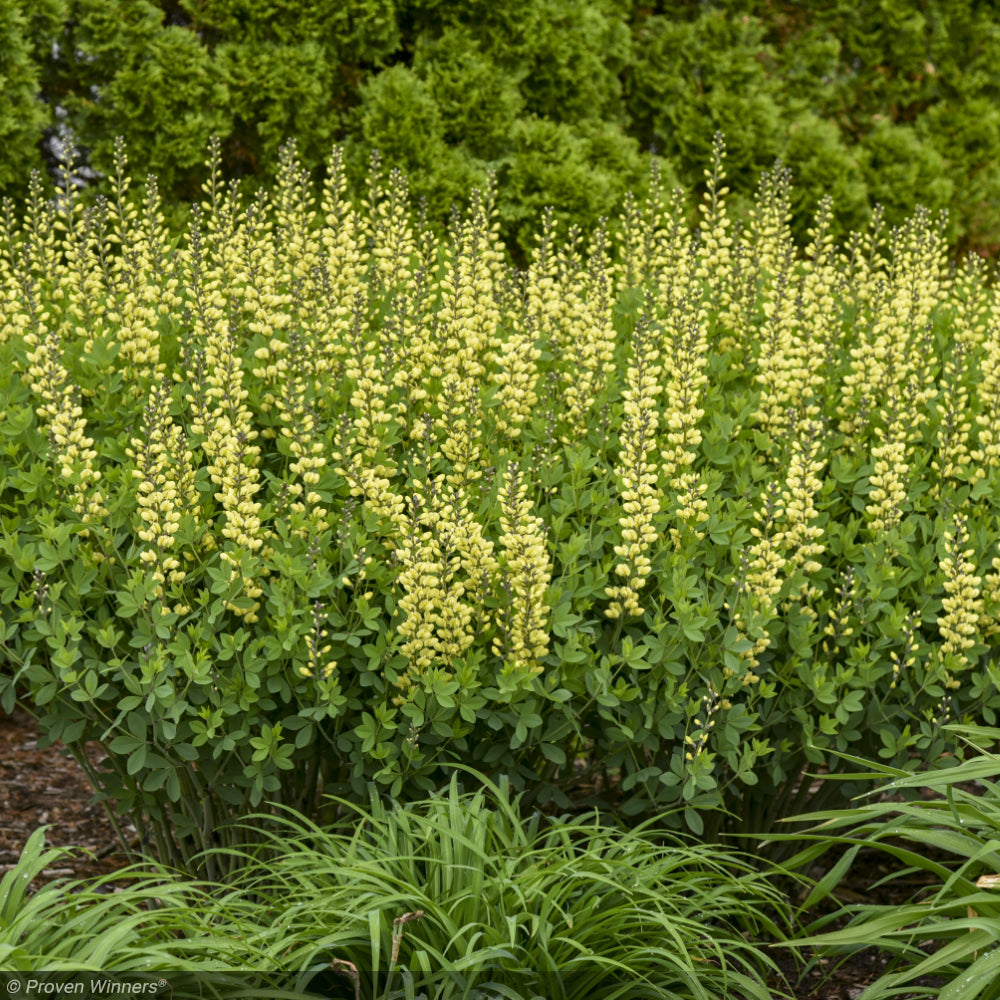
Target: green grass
{"points": [[457, 896], [143, 921], [503, 906], [948, 931]]}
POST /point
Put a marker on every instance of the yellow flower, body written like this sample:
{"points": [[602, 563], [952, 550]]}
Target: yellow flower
{"points": [[640, 497], [528, 574], [963, 606]]}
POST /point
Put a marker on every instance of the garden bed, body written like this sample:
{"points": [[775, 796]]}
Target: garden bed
{"points": [[45, 787]]}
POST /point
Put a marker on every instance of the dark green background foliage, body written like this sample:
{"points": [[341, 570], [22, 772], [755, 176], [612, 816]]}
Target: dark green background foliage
{"points": [[869, 100]]}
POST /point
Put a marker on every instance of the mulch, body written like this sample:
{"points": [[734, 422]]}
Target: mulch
{"points": [[46, 787]]}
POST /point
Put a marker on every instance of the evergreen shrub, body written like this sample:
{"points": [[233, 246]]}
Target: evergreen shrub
{"points": [[879, 102]]}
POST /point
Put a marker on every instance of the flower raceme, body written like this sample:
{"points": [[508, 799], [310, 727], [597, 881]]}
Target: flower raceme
{"points": [[640, 498]]}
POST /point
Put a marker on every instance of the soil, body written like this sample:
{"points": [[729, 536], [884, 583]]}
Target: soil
{"points": [[46, 787]]}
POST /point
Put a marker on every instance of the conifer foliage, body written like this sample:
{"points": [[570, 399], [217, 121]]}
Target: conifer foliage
{"points": [[885, 103]]}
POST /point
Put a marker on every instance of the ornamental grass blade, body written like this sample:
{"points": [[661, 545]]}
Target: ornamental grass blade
{"points": [[983, 973], [956, 953], [14, 885], [832, 878]]}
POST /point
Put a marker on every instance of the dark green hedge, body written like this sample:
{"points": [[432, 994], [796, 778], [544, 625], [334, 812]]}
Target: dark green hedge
{"points": [[870, 100]]}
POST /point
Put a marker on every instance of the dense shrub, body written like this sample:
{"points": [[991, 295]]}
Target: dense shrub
{"points": [[313, 499], [692, 78], [24, 33], [926, 68], [478, 103], [399, 118], [868, 102]]}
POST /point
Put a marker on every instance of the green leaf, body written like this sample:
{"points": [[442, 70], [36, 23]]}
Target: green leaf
{"points": [[126, 605], [173, 786], [136, 760], [694, 821], [154, 780], [124, 744]]}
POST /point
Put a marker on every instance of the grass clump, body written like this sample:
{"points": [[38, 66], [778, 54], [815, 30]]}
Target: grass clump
{"points": [[152, 924], [461, 896]]}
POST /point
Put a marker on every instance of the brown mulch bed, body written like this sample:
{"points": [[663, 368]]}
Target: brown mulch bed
{"points": [[45, 787]]}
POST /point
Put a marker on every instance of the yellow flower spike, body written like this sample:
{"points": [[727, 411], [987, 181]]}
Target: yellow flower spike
{"points": [[528, 571], [640, 501], [72, 452], [888, 480], [963, 607], [436, 553]]}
